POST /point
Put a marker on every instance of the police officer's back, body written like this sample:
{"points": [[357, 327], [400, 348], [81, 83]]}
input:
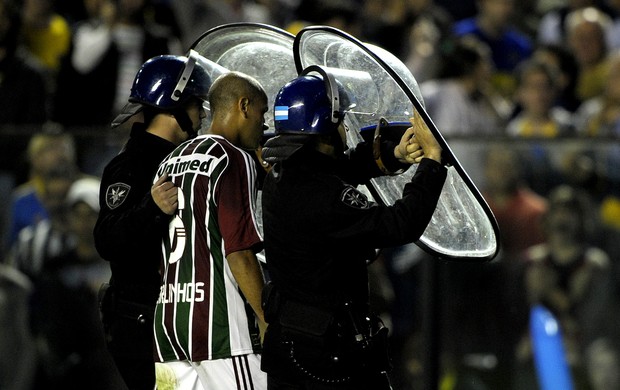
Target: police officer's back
{"points": [[320, 232]]}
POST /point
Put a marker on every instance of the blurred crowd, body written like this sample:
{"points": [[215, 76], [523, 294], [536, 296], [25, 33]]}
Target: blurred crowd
{"points": [[526, 92]]}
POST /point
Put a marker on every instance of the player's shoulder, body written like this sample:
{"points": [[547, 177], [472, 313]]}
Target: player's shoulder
{"points": [[228, 145], [234, 154], [213, 144]]}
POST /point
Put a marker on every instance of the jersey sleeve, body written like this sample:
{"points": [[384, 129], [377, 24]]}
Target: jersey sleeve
{"points": [[236, 197]]}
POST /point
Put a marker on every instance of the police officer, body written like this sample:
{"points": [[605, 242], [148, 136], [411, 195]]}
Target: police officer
{"points": [[169, 92], [320, 232]]}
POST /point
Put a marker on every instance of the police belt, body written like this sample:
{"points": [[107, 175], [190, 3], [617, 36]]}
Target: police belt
{"points": [[313, 320], [111, 304], [143, 314], [309, 329]]}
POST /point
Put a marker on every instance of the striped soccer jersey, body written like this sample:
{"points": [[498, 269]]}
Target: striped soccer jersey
{"points": [[201, 313]]}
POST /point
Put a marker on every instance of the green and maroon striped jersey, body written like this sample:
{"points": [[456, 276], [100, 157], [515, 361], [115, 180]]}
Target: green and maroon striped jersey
{"points": [[201, 313]]}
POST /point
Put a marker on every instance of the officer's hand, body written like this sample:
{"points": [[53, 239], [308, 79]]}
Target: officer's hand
{"points": [[406, 151], [423, 142], [165, 194]]}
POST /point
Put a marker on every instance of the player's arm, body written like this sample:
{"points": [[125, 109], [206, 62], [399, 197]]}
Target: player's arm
{"points": [[249, 276], [235, 195]]}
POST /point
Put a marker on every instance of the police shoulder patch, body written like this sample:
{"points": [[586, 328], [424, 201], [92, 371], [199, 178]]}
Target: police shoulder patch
{"points": [[116, 194], [353, 198]]}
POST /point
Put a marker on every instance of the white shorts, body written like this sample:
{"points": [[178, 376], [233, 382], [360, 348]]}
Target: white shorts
{"points": [[236, 373]]}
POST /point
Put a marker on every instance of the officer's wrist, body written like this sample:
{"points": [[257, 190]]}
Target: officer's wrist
{"points": [[433, 154]]}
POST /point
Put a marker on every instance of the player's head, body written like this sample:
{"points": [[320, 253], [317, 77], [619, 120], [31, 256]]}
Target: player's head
{"points": [[311, 104], [238, 102], [169, 83]]}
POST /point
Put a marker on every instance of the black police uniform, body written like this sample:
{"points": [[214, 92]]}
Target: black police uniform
{"points": [[319, 234], [128, 234]]}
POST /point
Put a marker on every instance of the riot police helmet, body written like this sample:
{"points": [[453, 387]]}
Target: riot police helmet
{"points": [[168, 83], [311, 104]]}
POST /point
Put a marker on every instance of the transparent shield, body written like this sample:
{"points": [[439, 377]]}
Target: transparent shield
{"points": [[214, 71], [261, 51], [462, 227]]}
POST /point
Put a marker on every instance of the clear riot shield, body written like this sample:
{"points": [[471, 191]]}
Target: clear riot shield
{"points": [[262, 51], [463, 226]]}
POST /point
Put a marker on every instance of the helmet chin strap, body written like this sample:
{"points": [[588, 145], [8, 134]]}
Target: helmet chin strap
{"points": [[185, 122], [339, 146]]}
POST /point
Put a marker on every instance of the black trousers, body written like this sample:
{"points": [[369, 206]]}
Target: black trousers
{"points": [[131, 346], [128, 328], [138, 374]]}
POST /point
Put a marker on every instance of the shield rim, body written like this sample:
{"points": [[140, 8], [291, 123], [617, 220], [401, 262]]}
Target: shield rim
{"points": [[265, 26], [448, 156]]}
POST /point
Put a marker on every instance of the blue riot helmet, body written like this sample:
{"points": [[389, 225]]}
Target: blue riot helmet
{"points": [[310, 104], [305, 107], [168, 83]]}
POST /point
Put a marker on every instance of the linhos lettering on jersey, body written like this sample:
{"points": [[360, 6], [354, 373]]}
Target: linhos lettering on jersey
{"points": [[181, 292]]}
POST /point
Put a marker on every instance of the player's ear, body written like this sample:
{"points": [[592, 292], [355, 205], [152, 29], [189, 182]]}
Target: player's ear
{"points": [[244, 103]]}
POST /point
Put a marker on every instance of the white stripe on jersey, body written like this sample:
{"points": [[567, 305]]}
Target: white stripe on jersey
{"points": [[190, 325], [211, 266], [252, 177]]}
